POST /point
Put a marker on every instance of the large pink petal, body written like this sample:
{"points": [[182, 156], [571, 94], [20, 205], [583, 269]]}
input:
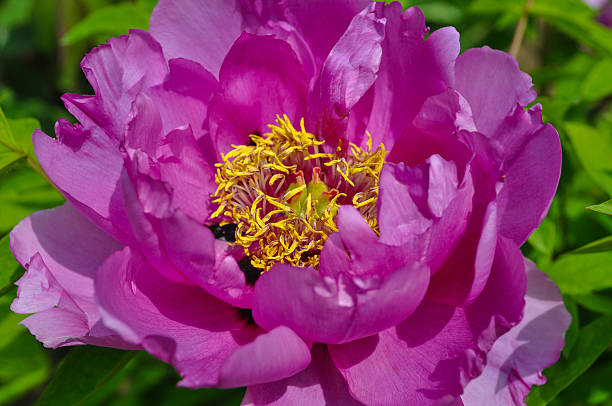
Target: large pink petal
{"points": [[530, 182], [493, 84], [318, 385], [61, 251], [118, 72], [78, 158], [200, 31], [439, 348], [183, 99], [260, 78], [428, 70], [416, 363], [464, 275], [322, 22], [363, 285], [191, 248], [517, 359], [424, 205], [191, 179], [353, 307], [203, 337], [348, 72]]}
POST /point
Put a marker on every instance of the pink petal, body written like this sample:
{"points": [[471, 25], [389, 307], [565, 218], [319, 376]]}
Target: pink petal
{"points": [[265, 359], [464, 275], [183, 167], [61, 251], [493, 84], [200, 335], [353, 307], [348, 72], [183, 98], [261, 78], [530, 183], [81, 157], [439, 348], [428, 70], [318, 385], [322, 22], [144, 130], [118, 72], [201, 32], [192, 249], [517, 359]]}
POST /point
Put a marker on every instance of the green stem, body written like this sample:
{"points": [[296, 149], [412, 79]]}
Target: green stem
{"points": [[519, 32]]}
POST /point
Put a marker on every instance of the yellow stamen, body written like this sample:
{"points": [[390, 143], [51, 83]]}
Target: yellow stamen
{"points": [[283, 193]]}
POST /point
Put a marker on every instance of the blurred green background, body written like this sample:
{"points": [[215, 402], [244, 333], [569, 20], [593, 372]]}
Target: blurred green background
{"points": [[565, 48]]}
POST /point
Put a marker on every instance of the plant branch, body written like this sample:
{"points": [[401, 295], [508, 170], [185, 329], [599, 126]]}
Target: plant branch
{"points": [[519, 32]]}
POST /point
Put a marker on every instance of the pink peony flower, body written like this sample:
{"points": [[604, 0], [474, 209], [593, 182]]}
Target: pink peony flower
{"points": [[310, 199]]}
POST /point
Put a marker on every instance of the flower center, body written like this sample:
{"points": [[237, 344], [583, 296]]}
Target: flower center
{"points": [[283, 193]]}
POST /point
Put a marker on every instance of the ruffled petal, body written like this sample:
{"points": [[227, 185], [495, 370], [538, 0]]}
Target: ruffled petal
{"points": [[191, 179], [199, 31], [428, 71], [493, 84], [183, 99], [517, 359], [530, 182], [464, 275], [193, 250], [118, 72], [200, 335], [80, 157], [144, 130], [61, 251], [318, 385], [260, 78], [359, 301], [431, 355], [426, 206], [322, 22], [348, 72]]}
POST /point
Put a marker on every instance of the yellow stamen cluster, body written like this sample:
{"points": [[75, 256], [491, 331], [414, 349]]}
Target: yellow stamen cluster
{"points": [[283, 193]]}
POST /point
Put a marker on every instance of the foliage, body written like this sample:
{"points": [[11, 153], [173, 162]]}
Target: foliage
{"points": [[565, 49]]}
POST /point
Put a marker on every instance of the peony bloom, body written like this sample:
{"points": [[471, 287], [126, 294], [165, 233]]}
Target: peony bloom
{"points": [[316, 200]]}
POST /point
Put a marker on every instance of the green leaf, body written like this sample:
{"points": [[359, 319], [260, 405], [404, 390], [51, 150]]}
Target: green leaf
{"points": [[577, 274], [22, 192], [16, 142], [571, 335], [543, 238], [22, 129], [9, 151], [592, 341], [10, 270], [24, 366], [597, 84], [594, 149], [601, 245], [441, 12], [574, 18], [605, 207], [83, 372], [110, 21], [597, 301]]}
